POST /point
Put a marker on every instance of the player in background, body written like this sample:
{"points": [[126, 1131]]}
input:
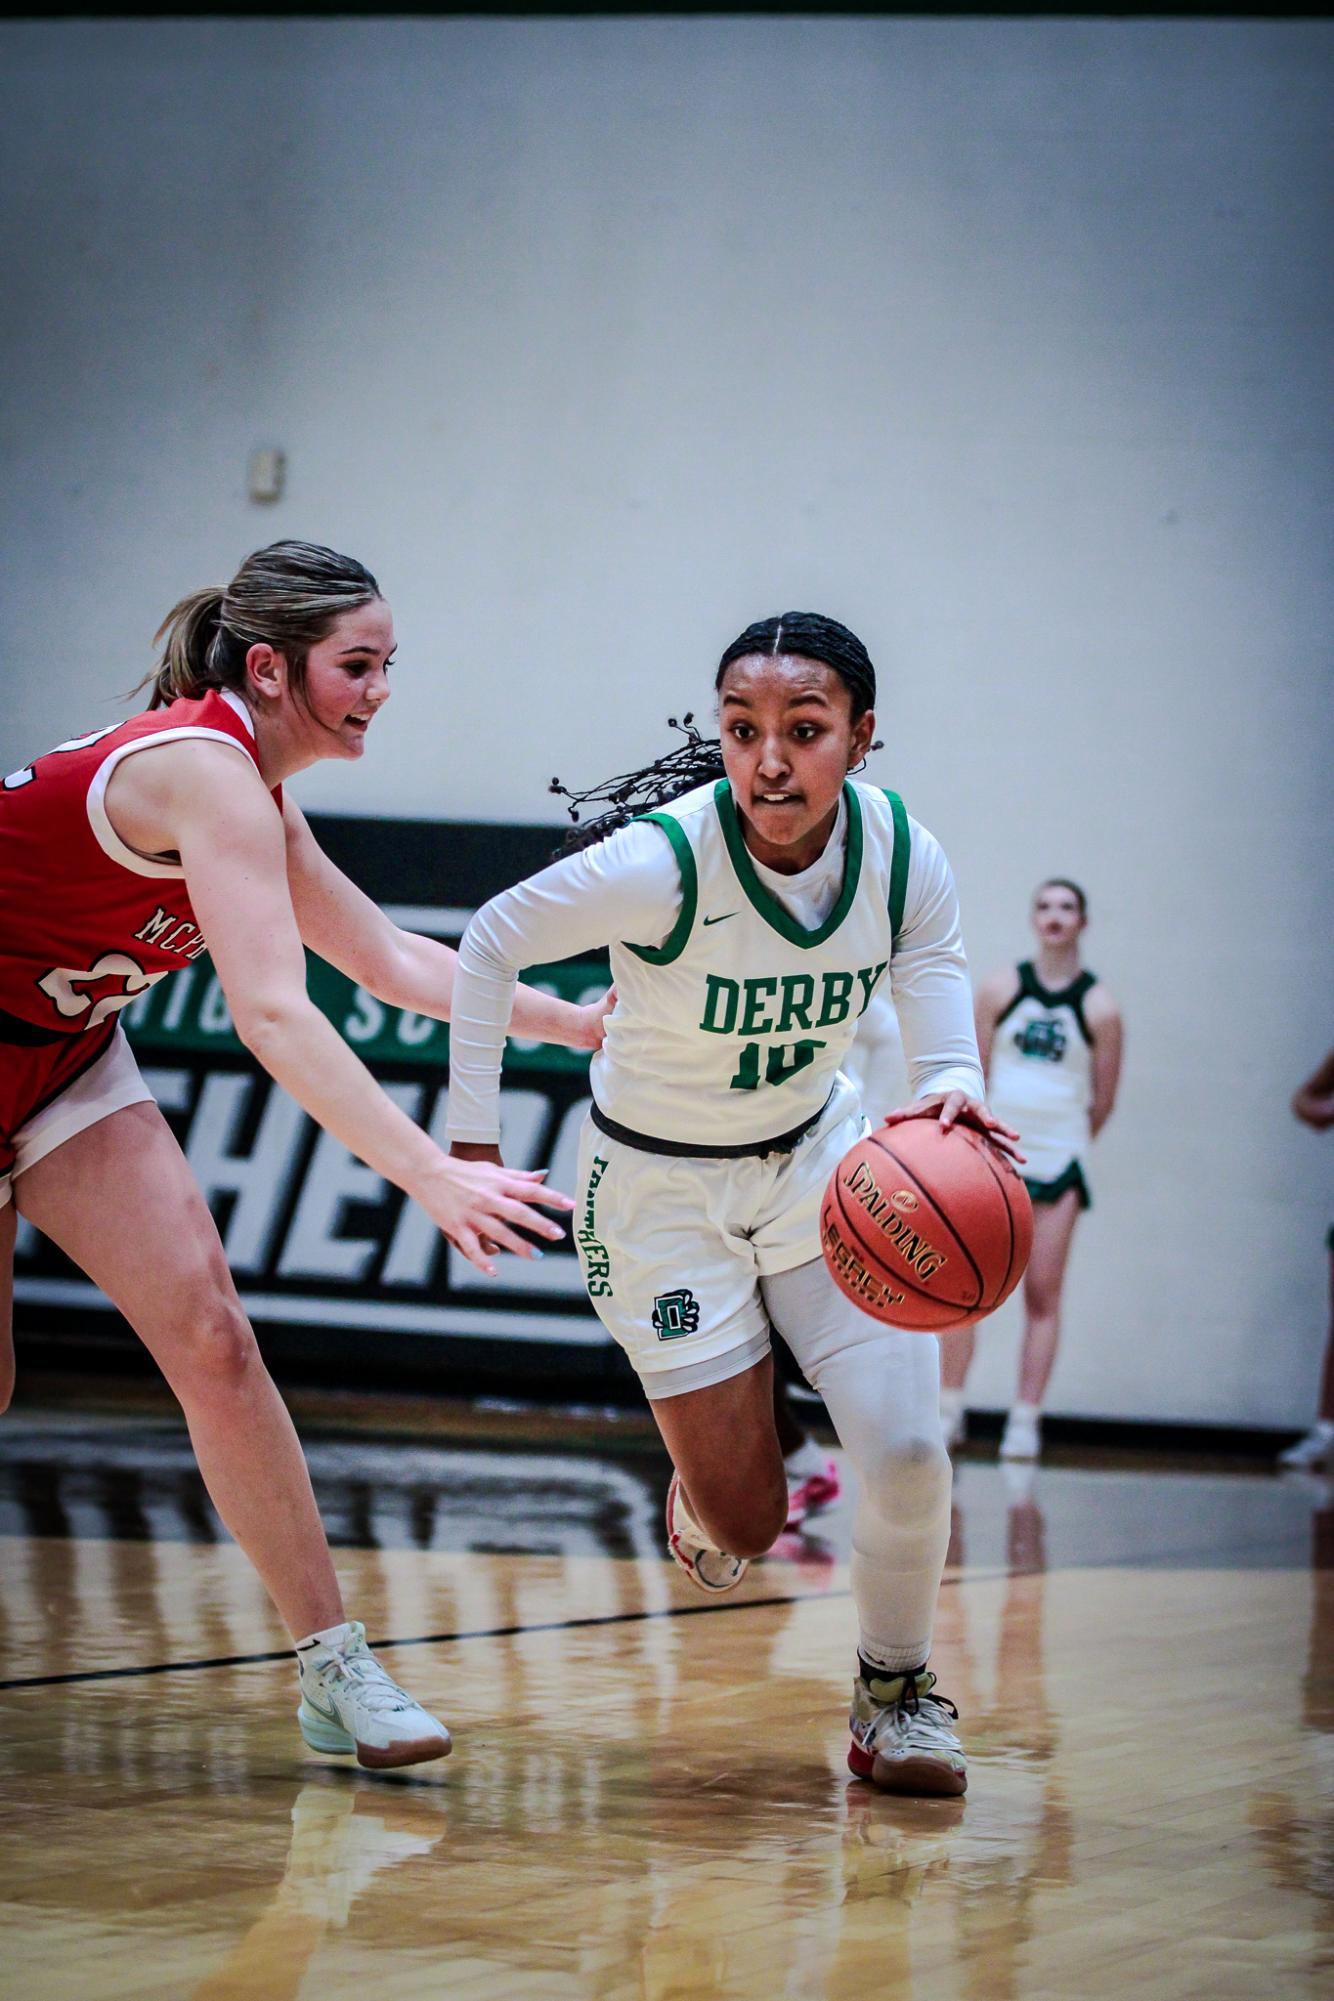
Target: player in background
{"points": [[1050, 1038], [751, 918], [121, 853], [1313, 1104]]}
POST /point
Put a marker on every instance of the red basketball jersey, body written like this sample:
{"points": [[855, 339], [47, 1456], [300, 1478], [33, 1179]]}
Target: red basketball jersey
{"points": [[86, 923]]}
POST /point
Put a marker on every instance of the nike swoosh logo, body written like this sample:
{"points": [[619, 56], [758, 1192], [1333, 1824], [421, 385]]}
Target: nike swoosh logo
{"points": [[720, 920]]}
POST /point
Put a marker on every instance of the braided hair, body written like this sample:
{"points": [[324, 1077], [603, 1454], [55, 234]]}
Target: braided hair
{"points": [[699, 760], [814, 637]]}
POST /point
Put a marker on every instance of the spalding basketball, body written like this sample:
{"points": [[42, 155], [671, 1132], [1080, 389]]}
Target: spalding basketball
{"points": [[926, 1228]]}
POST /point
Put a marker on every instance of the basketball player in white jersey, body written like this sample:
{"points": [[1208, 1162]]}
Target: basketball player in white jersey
{"points": [[1050, 1038], [751, 920]]}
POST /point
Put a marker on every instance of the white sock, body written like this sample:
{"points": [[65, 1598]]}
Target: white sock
{"points": [[951, 1405], [687, 1525], [1322, 1428], [1026, 1413], [809, 1458], [332, 1636], [874, 1657]]}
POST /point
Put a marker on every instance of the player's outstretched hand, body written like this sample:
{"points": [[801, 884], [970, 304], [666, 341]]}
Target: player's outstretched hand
{"points": [[481, 1206], [956, 1107]]}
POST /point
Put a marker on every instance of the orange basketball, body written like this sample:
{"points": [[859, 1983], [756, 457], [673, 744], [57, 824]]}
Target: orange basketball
{"points": [[925, 1228]]}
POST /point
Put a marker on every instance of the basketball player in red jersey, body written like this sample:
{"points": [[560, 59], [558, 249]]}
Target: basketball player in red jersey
{"points": [[121, 853]]}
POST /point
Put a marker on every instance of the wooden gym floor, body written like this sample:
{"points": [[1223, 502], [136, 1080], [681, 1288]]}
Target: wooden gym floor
{"points": [[648, 1797]]}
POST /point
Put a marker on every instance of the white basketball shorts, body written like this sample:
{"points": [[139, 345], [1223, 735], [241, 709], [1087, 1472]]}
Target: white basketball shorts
{"points": [[673, 1248]]}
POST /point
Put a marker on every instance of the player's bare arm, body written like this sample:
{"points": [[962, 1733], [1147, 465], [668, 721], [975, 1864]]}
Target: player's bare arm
{"points": [[1108, 1033], [993, 997], [208, 805], [346, 927]]}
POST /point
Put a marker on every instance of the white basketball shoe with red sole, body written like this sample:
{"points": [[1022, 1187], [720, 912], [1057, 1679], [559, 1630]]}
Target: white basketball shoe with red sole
{"points": [[708, 1569]]}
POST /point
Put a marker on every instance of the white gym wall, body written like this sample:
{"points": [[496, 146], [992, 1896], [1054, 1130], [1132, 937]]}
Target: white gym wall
{"points": [[1003, 341]]}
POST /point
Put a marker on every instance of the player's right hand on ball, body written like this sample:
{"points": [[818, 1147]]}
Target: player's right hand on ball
{"points": [[481, 1206], [956, 1107]]}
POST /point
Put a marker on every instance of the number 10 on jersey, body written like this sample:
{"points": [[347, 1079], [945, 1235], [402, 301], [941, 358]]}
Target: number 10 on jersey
{"points": [[781, 1061]]}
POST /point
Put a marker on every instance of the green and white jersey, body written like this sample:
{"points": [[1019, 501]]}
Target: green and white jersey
{"points": [[734, 1028], [1041, 1072], [739, 989]]}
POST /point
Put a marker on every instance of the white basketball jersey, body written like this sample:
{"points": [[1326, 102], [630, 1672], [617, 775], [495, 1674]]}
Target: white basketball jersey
{"points": [[1041, 1073], [734, 1029]]}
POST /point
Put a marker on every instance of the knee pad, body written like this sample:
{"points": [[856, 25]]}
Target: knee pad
{"points": [[908, 1479]]}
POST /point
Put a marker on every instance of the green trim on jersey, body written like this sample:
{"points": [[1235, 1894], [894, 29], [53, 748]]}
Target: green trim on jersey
{"points": [[770, 909], [1031, 988], [675, 942], [898, 868]]}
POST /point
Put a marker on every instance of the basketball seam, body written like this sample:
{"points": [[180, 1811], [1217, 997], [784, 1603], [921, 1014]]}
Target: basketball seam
{"points": [[1009, 1217], [907, 1285], [896, 1278], [877, 1251], [942, 1212]]}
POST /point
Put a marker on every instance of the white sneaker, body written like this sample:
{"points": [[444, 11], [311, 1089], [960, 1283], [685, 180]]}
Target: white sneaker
{"points": [[1316, 1449], [1022, 1437], [902, 1740], [708, 1568], [349, 1704]]}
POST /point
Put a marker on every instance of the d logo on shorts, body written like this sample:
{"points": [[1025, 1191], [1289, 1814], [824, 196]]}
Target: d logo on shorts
{"points": [[675, 1313]]}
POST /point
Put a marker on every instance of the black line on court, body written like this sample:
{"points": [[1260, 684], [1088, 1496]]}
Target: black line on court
{"points": [[478, 1633], [1161, 1560], [422, 1640]]}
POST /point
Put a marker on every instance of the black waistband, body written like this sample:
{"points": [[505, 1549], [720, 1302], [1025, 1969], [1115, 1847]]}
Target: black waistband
{"points": [[681, 1149]]}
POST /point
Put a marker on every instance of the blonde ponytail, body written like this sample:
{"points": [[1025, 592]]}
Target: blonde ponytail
{"points": [[187, 666], [287, 596]]}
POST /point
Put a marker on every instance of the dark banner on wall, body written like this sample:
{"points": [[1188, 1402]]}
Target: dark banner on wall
{"points": [[339, 1272]]}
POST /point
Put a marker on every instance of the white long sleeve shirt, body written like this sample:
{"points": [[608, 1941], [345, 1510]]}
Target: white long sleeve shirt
{"points": [[739, 988]]}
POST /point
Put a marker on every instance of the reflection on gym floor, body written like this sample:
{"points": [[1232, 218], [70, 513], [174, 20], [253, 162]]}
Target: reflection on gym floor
{"points": [[648, 1796]]}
